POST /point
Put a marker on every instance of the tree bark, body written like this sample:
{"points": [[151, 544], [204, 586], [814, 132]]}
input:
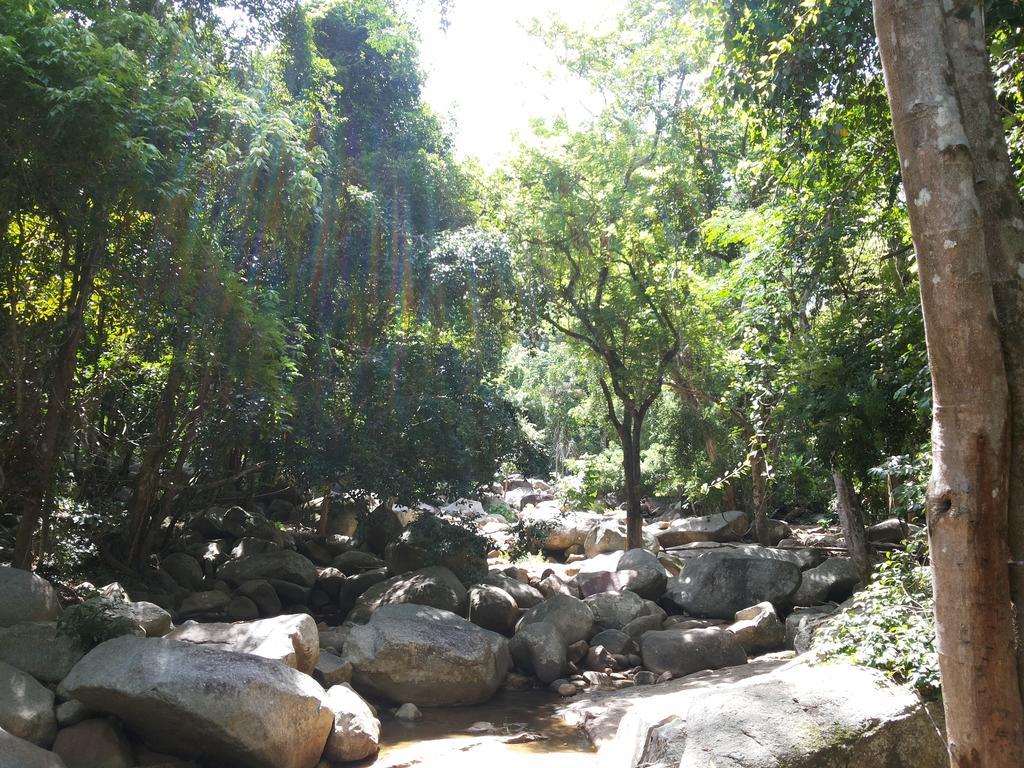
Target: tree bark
{"points": [[759, 495], [968, 491], [851, 518], [629, 437], [153, 458], [1003, 220]]}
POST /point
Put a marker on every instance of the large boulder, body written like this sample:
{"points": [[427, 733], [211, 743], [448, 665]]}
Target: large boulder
{"points": [[525, 596], [726, 526], [643, 573], [561, 529], [26, 597], [796, 715], [758, 629], [492, 608], [356, 731], [230, 709], [353, 562], [19, 753], [434, 586], [184, 569], [832, 581], [614, 610], [284, 565], [26, 707], [606, 536], [572, 617], [686, 652], [540, 649], [429, 657], [292, 640], [37, 648], [717, 587]]}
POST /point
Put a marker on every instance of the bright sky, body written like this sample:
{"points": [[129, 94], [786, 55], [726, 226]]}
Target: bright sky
{"points": [[492, 76]]}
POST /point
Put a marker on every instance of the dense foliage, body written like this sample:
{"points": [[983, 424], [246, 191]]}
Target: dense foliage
{"points": [[230, 265], [243, 264], [890, 625]]}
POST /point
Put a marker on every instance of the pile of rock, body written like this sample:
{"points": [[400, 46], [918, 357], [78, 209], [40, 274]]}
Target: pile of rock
{"points": [[241, 694]]}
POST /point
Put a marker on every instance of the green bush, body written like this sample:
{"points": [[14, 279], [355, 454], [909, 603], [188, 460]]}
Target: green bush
{"points": [[527, 537], [95, 621], [454, 544], [890, 626]]}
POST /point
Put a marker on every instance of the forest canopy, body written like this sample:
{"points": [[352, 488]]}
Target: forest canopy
{"points": [[247, 263]]}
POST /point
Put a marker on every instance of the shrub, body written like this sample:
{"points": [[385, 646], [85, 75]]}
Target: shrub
{"points": [[526, 538], [453, 543], [890, 626], [93, 622]]}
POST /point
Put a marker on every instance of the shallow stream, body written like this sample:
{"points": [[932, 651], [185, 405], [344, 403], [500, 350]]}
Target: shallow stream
{"points": [[521, 729]]}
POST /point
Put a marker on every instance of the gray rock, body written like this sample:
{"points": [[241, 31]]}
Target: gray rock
{"points": [[19, 753], [613, 640], [683, 653], [356, 731], [758, 629], [492, 608], [727, 526], [891, 531], [525, 596], [285, 565], [154, 620], [204, 604], [26, 597], [832, 581], [354, 561], [71, 712], [606, 536], [434, 586], [649, 623], [798, 716], [37, 649], [413, 653], [802, 623], [241, 608], [614, 610], [717, 587], [184, 569], [331, 669], [645, 575], [26, 707], [93, 744], [572, 617], [293, 640], [540, 649], [227, 708]]}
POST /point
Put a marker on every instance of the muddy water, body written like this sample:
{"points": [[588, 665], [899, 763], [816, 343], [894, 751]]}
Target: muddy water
{"points": [[519, 729]]}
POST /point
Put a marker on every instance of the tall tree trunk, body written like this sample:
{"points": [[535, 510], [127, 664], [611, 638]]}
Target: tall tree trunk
{"points": [[851, 518], [39, 477], [153, 458], [759, 496], [1003, 220], [629, 436], [968, 491]]}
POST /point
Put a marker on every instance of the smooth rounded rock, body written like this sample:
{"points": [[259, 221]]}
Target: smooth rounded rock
{"points": [[356, 731], [230, 709], [425, 656], [571, 616], [26, 597], [26, 707]]}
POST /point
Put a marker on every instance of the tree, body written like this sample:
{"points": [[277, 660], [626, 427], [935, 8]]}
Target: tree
{"points": [[963, 203]]}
